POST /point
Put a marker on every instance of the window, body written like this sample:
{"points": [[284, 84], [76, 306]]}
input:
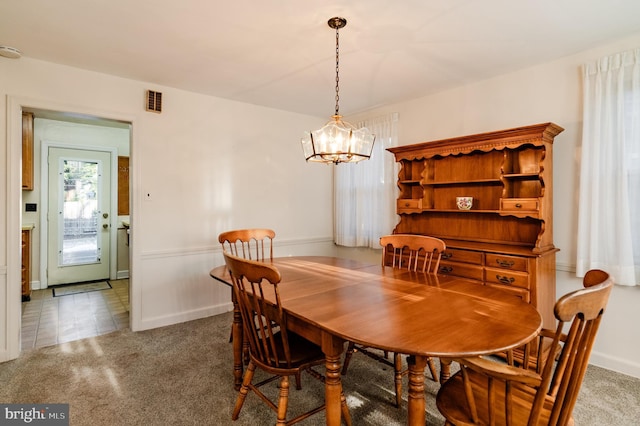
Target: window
{"points": [[609, 205], [365, 192]]}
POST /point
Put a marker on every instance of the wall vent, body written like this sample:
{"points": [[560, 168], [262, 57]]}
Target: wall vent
{"points": [[154, 101]]}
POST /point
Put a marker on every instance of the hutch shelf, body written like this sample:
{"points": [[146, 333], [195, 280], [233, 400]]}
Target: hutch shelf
{"points": [[506, 239]]}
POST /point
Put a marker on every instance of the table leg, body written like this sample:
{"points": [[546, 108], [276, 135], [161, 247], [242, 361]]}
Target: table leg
{"points": [[332, 347], [238, 337], [416, 411], [445, 369]]}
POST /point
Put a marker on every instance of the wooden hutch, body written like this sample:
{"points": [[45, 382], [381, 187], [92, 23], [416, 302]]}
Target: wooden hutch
{"points": [[506, 239]]}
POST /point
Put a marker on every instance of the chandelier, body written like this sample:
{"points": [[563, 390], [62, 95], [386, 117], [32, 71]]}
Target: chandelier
{"points": [[338, 141]]}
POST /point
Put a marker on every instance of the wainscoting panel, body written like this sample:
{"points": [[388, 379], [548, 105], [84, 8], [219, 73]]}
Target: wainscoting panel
{"points": [[175, 286]]}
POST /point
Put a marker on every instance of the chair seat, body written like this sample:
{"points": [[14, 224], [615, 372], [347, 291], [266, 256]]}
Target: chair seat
{"points": [[456, 410], [302, 351]]}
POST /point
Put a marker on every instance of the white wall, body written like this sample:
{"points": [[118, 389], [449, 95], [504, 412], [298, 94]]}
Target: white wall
{"points": [[549, 92], [209, 165], [212, 164]]}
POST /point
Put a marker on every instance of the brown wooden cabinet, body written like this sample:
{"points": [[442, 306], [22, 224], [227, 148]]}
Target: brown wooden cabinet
{"points": [[506, 239], [26, 265], [27, 151], [123, 186]]}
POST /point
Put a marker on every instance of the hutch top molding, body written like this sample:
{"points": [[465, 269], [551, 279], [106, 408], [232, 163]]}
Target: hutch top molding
{"points": [[537, 134]]}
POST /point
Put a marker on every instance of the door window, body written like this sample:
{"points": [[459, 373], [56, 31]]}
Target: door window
{"points": [[80, 236]]}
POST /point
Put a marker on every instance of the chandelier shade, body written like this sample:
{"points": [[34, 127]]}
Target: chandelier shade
{"points": [[338, 141]]}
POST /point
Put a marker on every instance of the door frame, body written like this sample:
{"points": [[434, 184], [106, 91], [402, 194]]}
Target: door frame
{"points": [[10, 289], [44, 203]]}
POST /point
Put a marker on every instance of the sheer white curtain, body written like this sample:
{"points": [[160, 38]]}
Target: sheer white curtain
{"points": [[609, 206], [365, 192]]}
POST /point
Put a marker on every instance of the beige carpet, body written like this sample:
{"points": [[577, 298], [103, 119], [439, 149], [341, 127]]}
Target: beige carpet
{"points": [[181, 375]]}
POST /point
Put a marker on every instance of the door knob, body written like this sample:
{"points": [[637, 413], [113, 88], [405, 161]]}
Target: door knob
{"points": [[105, 225], [105, 215]]}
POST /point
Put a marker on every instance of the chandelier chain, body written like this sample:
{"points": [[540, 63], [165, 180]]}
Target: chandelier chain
{"points": [[337, 71], [337, 141]]}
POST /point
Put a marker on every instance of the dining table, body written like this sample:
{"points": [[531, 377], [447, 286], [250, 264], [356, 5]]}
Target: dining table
{"points": [[331, 301]]}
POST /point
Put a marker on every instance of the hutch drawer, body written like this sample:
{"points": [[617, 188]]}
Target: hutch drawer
{"points": [[505, 261], [519, 292], [461, 270], [510, 278], [465, 256], [409, 204], [520, 204]]}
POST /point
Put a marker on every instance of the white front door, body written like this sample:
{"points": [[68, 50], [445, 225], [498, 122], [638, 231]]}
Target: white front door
{"points": [[79, 215]]}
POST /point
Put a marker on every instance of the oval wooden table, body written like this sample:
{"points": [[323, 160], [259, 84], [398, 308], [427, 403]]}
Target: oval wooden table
{"points": [[331, 300]]}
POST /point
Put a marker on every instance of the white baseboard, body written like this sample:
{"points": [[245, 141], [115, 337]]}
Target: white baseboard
{"points": [[615, 364], [121, 275], [566, 267], [150, 323]]}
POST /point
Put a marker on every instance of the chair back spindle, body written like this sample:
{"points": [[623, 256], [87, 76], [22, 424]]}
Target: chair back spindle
{"points": [[253, 244], [417, 253]]}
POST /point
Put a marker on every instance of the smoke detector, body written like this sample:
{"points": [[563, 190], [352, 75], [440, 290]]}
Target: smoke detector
{"points": [[10, 52]]}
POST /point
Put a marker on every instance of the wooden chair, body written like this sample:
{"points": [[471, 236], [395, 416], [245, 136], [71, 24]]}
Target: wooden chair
{"points": [[417, 253], [254, 244], [543, 392], [272, 347]]}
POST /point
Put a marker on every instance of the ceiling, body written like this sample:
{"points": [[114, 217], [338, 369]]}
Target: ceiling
{"points": [[281, 53]]}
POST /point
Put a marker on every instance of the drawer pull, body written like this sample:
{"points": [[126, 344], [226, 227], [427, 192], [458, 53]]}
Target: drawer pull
{"points": [[446, 255], [407, 204], [518, 206], [505, 263], [505, 280], [446, 269]]}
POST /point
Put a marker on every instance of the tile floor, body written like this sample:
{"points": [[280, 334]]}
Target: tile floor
{"points": [[48, 320]]}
